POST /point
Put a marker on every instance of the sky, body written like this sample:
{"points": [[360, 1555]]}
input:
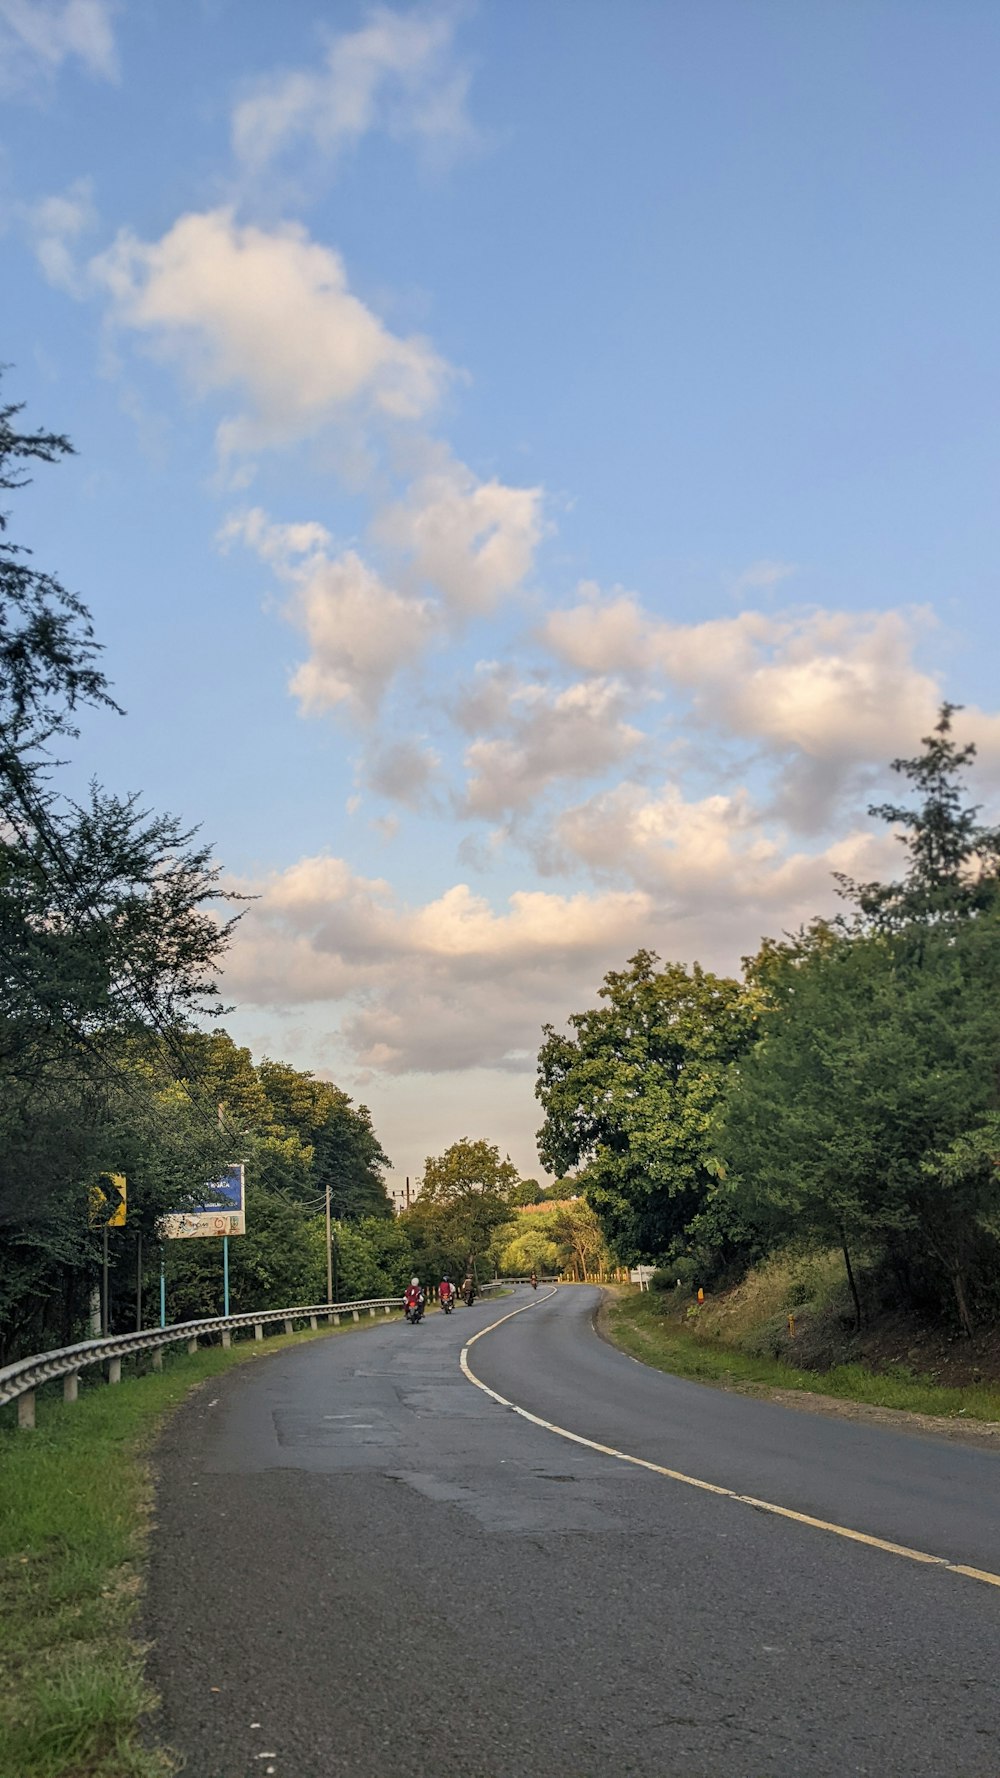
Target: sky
{"points": [[537, 465]]}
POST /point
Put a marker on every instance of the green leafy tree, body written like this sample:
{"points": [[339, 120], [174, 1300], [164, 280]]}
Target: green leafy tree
{"points": [[630, 1096]]}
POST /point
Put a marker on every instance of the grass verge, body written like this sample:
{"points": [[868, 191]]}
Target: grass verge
{"points": [[75, 1499], [640, 1326]]}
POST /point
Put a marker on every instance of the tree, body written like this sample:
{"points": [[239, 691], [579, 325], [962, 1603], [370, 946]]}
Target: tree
{"points": [[867, 1112], [631, 1093], [952, 861], [468, 1170]]}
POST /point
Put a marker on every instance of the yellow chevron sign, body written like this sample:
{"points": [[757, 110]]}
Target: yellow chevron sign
{"points": [[115, 1195]]}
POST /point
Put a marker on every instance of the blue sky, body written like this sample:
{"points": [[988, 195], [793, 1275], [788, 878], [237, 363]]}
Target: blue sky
{"points": [[536, 465]]}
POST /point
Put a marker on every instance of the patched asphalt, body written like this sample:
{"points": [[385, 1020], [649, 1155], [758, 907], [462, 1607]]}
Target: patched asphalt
{"points": [[363, 1565]]}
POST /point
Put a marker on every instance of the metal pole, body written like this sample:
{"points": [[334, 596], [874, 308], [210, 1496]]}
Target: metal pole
{"points": [[163, 1291], [104, 1281], [407, 1191], [329, 1249], [225, 1274], [138, 1281]]}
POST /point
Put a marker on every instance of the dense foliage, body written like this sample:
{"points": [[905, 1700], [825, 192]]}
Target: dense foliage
{"points": [[847, 1092], [113, 926]]}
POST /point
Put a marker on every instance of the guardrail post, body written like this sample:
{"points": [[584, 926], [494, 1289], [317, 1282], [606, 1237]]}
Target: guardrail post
{"points": [[288, 1325], [313, 1323], [26, 1410], [71, 1385], [336, 1320], [157, 1358], [387, 1309], [227, 1338], [372, 1313], [258, 1331], [354, 1312], [193, 1345], [114, 1370]]}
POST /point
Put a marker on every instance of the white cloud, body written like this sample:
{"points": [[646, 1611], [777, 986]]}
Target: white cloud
{"points": [[266, 314], [823, 693], [716, 857], [38, 36], [409, 984], [360, 631], [55, 225], [578, 732], [473, 541], [403, 771], [397, 73], [601, 634]]}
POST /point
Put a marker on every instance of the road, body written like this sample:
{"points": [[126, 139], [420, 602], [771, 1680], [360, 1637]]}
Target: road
{"points": [[363, 1564]]}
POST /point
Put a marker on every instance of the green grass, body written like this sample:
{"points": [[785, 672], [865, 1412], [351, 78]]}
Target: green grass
{"points": [[640, 1326], [75, 1498]]}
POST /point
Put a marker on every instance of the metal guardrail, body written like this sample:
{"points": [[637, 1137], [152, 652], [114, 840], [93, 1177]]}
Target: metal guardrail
{"points": [[18, 1381]]}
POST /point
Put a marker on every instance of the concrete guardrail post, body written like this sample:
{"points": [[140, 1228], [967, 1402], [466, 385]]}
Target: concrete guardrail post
{"points": [[158, 1358], [336, 1320], [313, 1323], [26, 1410], [114, 1370], [227, 1338], [258, 1331], [71, 1386], [388, 1309], [193, 1345], [372, 1313], [354, 1312], [288, 1325]]}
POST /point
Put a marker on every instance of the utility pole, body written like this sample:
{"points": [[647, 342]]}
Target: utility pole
{"points": [[329, 1248], [407, 1191]]}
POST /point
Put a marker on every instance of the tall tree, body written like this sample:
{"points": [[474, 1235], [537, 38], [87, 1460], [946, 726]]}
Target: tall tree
{"points": [[631, 1093]]}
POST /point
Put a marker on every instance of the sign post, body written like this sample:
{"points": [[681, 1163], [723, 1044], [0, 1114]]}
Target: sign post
{"points": [[224, 1216]]}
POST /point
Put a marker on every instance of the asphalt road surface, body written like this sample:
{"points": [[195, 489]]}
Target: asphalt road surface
{"points": [[364, 1565]]}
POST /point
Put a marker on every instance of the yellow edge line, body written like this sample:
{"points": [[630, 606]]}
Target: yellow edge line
{"points": [[690, 1481]]}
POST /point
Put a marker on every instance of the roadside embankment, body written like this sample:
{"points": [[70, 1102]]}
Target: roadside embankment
{"points": [[739, 1341], [75, 1507]]}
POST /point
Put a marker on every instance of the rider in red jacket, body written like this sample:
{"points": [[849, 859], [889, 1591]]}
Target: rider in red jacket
{"points": [[413, 1294]]}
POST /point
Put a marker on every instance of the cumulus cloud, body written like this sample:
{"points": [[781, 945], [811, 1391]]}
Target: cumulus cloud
{"points": [[407, 984], [824, 693], [714, 856], [55, 225], [265, 314], [473, 541], [398, 72], [601, 634], [578, 732], [402, 771], [38, 36], [360, 631]]}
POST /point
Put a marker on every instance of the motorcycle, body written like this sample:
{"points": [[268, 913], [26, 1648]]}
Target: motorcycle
{"points": [[415, 1311], [469, 1294], [447, 1304]]}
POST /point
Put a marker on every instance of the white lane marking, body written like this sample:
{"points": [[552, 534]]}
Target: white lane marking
{"points": [[690, 1481]]}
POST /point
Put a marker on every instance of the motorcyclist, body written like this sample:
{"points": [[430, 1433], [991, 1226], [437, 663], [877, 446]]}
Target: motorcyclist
{"points": [[446, 1290], [413, 1297], [534, 1280]]}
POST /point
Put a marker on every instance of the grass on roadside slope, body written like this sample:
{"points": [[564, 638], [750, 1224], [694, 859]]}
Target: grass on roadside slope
{"points": [[75, 1498], [640, 1326]]}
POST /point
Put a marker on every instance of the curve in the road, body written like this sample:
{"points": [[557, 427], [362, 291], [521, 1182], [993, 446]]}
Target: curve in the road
{"points": [[689, 1481]]}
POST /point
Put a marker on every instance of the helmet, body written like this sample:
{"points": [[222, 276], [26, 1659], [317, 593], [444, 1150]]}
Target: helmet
{"points": [[414, 1280], [445, 1279]]}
